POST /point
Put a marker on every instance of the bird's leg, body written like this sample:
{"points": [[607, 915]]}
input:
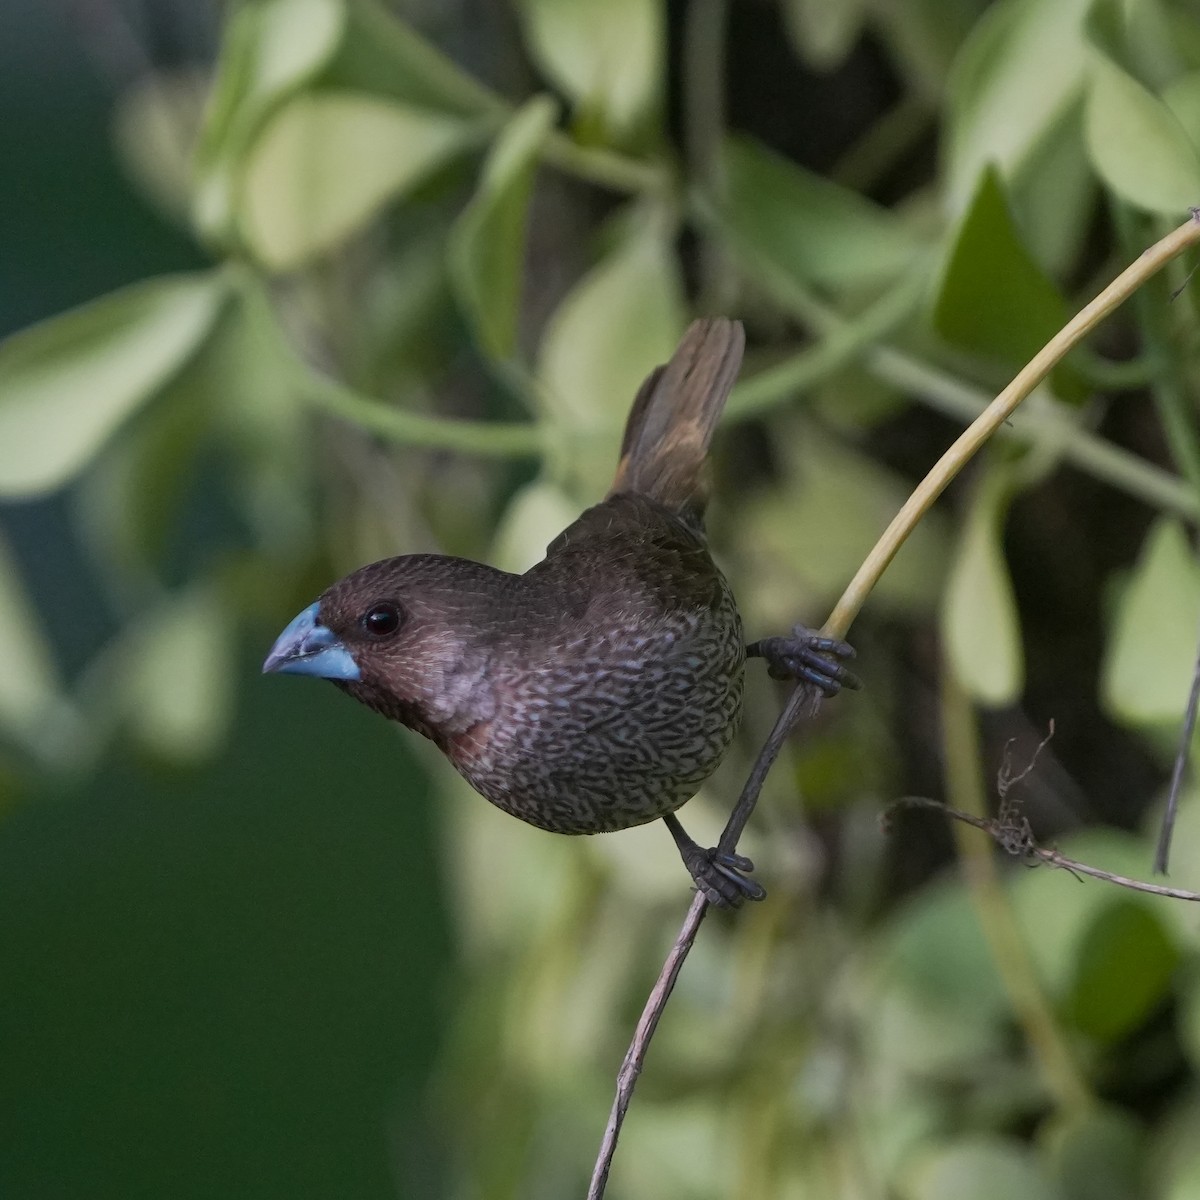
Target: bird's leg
{"points": [[721, 877], [807, 657]]}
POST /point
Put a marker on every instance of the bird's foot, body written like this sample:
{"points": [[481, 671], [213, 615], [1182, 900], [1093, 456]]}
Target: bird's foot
{"points": [[723, 878], [807, 657]]}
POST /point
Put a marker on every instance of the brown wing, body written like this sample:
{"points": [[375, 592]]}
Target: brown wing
{"points": [[631, 689], [628, 550]]}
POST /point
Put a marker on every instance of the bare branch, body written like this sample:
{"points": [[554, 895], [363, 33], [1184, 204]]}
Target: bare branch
{"points": [[1055, 859], [1185, 743], [1005, 779], [635, 1056], [803, 702], [1016, 839]]}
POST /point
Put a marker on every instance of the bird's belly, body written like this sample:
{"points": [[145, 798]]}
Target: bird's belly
{"points": [[613, 745]]}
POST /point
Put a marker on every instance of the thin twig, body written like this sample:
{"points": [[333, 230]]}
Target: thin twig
{"points": [[635, 1056], [1055, 859], [1024, 845], [1163, 852], [803, 702]]}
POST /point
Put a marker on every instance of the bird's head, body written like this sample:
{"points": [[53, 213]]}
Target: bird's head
{"points": [[401, 636]]}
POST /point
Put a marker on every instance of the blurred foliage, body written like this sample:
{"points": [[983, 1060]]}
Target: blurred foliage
{"points": [[421, 257]]}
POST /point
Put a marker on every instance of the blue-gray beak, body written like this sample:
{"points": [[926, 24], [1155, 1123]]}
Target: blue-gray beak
{"points": [[308, 648]]}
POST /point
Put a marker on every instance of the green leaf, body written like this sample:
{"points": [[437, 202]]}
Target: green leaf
{"points": [[179, 683], [275, 49], [606, 55], [980, 625], [67, 384], [129, 504], [537, 515], [924, 38], [251, 373], [29, 682], [384, 56], [327, 162], [272, 46], [1138, 38], [813, 230], [935, 1002], [1137, 145], [1189, 1025], [156, 123], [1105, 956], [1184, 31], [487, 247], [1184, 1178], [981, 1168], [935, 946], [1099, 1154], [1151, 651], [1055, 184], [1123, 969], [1019, 72], [618, 323], [823, 34], [804, 537], [270, 50], [235, 398], [1182, 97], [993, 298]]}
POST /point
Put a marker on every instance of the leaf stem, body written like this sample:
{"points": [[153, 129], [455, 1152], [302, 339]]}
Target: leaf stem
{"points": [[604, 167], [1174, 410], [843, 343], [488, 439], [1043, 421], [884, 144]]}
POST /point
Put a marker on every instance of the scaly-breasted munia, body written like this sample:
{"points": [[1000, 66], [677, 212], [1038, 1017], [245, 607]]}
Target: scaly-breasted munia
{"points": [[599, 689]]}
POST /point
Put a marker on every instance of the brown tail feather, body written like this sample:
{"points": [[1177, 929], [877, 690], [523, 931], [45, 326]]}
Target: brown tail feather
{"points": [[674, 415]]}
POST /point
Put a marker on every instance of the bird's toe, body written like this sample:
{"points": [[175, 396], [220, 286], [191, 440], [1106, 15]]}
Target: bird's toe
{"points": [[723, 878], [807, 656]]}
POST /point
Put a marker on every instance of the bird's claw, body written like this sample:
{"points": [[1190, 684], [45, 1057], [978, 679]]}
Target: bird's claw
{"points": [[723, 878], [808, 657], [720, 875]]}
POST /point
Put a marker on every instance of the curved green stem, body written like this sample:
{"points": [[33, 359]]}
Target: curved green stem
{"points": [[1111, 376], [488, 439], [885, 142], [604, 167], [842, 344], [1049, 422], [1174, 410]]}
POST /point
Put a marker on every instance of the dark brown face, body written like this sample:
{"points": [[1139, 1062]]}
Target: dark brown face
{"points": [[374, 615], [400, 636]]}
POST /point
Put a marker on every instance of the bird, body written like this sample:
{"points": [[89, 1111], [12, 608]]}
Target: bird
{"points": [[598, 690]]}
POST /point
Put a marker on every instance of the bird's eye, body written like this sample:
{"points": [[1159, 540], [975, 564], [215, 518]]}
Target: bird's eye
{"points": [[382, 620]]}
